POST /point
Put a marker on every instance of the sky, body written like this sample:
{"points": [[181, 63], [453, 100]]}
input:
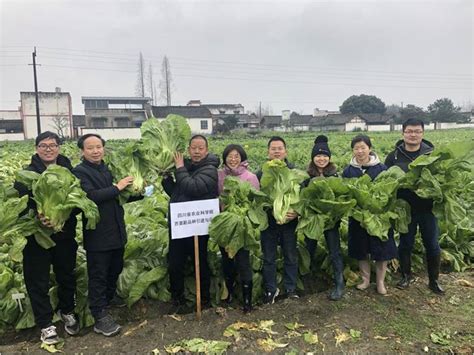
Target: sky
{"points": [[287, 55]]}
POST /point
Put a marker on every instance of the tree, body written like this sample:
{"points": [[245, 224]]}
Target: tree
{"points": [[151, 84], [166, 81], [225, 125], [363, 104], [140, 88], [60, 124], [443, 110], [262, 110], [413, 111]]}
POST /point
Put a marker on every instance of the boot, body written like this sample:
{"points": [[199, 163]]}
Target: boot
{"points": [[229, 284], [380, 270], [364, 268], [433, 263], [405, 268], [338, 291], [247, 296]]}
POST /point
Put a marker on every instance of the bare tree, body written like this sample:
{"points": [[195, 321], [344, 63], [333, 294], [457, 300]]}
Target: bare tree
{"points": [[263, 110], [60, 124], [165, 82], [140, 88], [151, 84]]}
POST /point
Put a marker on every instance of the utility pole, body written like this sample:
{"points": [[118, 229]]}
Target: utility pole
{"points": [[38, 121], [260, 110]]}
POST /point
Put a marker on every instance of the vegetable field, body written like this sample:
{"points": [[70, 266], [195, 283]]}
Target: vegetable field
{"points": [[406, 320]]}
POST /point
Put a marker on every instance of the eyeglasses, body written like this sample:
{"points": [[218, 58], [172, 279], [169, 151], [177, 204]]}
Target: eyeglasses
{"points": [[419, 131], [48, 146]]}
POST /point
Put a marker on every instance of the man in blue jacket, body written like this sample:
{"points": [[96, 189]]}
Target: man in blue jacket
{"points": [[407, 150]]}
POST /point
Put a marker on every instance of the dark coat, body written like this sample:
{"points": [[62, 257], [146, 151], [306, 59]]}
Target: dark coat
{"points": [[329, 171], [194, 181], [400, 157], [37, 165], [354, 172], [97, 182]]}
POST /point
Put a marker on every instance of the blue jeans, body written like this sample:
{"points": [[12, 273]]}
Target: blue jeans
{"points": [[270, 238], [429, 234]]}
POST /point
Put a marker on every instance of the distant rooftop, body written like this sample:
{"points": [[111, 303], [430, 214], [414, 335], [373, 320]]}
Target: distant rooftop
{"points": [[116, 99]]}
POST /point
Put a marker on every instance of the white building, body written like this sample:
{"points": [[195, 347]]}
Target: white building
{"points": [[219, 109], [199, 117], [55, 113], [11, 126]]}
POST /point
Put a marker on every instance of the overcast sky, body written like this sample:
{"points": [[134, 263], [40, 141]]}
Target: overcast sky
{"points": [[294, 55]]}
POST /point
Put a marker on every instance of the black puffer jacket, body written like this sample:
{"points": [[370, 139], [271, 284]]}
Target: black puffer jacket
{"points": [[400, 157], [37, 165], [329, 171], [194, 181], [97, 182]]}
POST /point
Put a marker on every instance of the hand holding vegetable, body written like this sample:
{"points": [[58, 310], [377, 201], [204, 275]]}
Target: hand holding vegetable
{"points": [[126, 181], [291, 215], [45, 221], [178, 160]]}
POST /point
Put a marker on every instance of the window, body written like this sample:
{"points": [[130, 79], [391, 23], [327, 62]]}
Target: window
{"points": [[98, 122], [204, 124], [96, 104], [122, 122]]}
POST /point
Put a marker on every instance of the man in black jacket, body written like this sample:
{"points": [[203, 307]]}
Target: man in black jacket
{"points": [[105, 244], [195, 179], [37, 261], [283, 234], [407, 150]]}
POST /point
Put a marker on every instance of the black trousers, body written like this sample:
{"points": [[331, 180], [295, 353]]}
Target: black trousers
{"points": [[37, 263], [103, 270], [239, 264], [179, 251]]}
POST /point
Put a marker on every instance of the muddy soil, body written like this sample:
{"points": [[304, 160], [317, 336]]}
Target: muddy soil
{"points": [[413, 320]]}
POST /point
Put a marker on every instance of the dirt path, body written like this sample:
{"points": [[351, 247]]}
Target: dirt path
{"points": [[403, 321]]}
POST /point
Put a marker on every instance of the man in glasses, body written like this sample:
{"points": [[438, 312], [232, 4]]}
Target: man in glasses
{"points": [[407, 150], [37, 261]]}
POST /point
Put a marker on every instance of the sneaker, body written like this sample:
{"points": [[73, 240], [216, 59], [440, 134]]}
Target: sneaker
{"points": [[291, 295], [49, 335], [71, 322], [269, 297], [106, 326], [116, 302]]}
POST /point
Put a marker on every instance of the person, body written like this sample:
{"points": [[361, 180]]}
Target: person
{"points": [[196, 179], [283, 234], [360, 243], [321, 166], [235, 163], [407, 150], [105, 244], [37, 261]]}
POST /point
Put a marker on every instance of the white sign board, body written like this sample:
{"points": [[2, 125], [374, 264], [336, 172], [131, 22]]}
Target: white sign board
{"points": [[192, 218]]}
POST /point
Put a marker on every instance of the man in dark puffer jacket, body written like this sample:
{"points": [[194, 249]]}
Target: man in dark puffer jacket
{"points": [[196, 179], [407, 150], [37, 261]]}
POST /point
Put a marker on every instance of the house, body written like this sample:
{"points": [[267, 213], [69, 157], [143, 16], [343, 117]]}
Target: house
{"points": [[115, 112], [55, 113], [272, 122], [11, 125], [219, 109], [353, 122], [299, 122], [199, 117]]}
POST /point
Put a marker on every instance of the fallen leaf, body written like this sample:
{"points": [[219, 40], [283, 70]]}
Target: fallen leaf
{"points": [[53, 348], [310, 337], [131, 330], [341, 337], [155, 351], [440, 338], [266, 326], [175, 317], [455, 300], [379, 337], [198, 345], [293, 326], [293, 334], [269, 344], [462, 282], [355, 334]]}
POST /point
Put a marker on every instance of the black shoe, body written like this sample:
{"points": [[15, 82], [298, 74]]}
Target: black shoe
{"points": [[179, 306], [291, 294], [247, 297], [338, 291], [433, 263], [71, 322], [405, 281], [269, 297], [116, 302], [106, 326]]}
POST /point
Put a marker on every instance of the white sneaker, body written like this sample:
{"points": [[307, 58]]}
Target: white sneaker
{"points": [[71, 322], [49, 335]]}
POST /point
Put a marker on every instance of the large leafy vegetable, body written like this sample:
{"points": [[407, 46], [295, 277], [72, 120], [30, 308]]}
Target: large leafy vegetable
{"points": [[322, 204], [243, 218], [161, 139], [282, 186], [57, 192], [377, 208]]}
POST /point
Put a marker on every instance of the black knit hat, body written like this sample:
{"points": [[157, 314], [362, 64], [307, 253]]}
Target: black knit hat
{"points": [[321, 147]]}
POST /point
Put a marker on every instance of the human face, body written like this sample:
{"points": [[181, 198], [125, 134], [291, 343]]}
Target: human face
{"points": [[361, 152], [197, 150], [233, 159], [321, 161], [276, 150], [93, 150], [48, 151], [412, 135]]}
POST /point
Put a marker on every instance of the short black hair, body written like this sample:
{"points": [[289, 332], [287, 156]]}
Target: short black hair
{"points": [[199, 136], [276, 139], [80, 141], [413, 122], [361, 138], [238, 148], [47, 135]]}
